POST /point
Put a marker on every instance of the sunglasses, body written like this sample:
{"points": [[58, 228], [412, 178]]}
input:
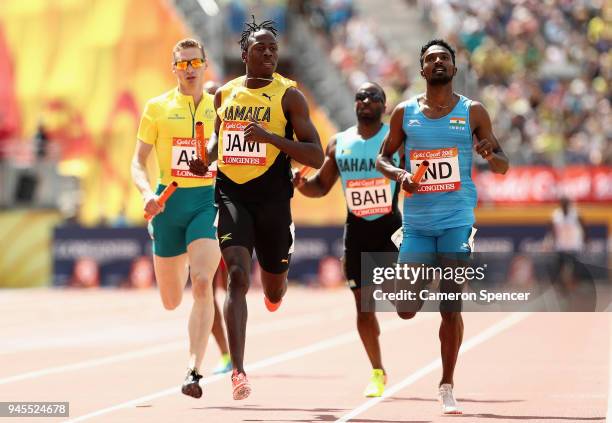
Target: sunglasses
{"points": [[195, 63], [362, 95]]}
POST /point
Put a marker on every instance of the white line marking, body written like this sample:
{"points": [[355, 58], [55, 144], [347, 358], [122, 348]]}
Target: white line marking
{"points": [[424, 371], [116, 358], [335, 341], [302, 321], [99, 333]]}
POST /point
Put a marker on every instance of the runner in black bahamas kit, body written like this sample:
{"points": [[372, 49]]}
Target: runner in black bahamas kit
{"points": [[372, 212]]}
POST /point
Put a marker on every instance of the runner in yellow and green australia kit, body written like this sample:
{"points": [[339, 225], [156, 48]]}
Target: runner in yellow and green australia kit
{"points": [[184, 239]]}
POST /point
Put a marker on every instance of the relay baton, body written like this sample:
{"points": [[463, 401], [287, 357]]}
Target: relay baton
{"points": [[418, 175], [166, 193], [304, 171], [201, 143]]}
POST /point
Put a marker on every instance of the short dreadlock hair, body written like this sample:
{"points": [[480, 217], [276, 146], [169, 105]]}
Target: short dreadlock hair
{"points": [[437, 42], [252, 28]]}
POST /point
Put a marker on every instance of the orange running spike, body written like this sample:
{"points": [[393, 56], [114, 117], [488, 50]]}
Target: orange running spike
{"points": [[272, 307]]}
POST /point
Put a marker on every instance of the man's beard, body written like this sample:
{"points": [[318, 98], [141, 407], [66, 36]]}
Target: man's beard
{"points": [[369, 119], [440, 80]]}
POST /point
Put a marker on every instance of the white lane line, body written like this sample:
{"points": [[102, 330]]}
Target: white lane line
{"points": [[115, 358], [342, 339], [483, 336], [75, 336], [302, 321], [97, 333]]}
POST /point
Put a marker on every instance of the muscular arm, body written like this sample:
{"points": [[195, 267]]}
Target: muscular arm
{"points": [[214, 138], [392, 142], [487, 142], [308, 150], [325, 178], [139, 168], [140, 178]]}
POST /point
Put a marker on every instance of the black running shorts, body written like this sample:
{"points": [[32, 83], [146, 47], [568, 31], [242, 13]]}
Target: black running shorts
{"points": [[361, 235], [264, 226]]}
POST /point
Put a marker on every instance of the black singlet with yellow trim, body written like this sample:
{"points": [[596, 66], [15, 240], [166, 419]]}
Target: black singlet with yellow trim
{"points": [[253, 171]]}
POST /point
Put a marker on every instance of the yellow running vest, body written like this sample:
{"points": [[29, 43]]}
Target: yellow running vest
{"points": [[253, 165], [168, 123]]}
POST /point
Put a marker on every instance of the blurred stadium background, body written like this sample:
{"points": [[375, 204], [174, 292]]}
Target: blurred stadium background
{"points": [[75, 74]]}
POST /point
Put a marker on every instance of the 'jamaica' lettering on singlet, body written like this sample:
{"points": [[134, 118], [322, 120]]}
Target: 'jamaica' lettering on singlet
{"points": [[259, 114]]}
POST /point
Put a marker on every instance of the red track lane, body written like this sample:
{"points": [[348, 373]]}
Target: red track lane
{"points": [[546, 367]]}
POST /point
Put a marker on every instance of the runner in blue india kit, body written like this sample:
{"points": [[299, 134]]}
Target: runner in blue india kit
{"points": [[441, 127]]}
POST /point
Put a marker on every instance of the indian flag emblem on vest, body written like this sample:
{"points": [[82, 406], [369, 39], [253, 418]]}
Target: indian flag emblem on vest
{"points": [[457, 123]]}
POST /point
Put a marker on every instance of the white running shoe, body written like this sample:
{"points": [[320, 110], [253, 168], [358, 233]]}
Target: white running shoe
{"points": [[449, 404]]}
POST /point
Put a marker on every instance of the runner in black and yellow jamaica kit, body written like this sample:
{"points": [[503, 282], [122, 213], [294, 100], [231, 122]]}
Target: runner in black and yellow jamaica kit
{"points": [[372, 212], [184, 239], [258, 115]]}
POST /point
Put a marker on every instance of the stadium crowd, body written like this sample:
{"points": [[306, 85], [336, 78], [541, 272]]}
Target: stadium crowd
{"points": [[542, 68]]}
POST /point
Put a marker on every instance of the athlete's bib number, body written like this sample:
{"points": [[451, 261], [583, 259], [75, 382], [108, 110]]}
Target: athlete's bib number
{"points": [[366, 197], [184, 150], [443, 173], [237, 151]]}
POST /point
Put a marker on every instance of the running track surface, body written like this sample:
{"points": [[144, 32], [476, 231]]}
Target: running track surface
{"points": [[117, 356]]}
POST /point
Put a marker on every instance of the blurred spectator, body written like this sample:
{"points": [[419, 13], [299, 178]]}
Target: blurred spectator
{"points": [[41, 142], [86, 274], [569, 235], [330, 273], [120, 220], [240, 11], [45, 146], [142, 275], [567, 228], [356, 48]]}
